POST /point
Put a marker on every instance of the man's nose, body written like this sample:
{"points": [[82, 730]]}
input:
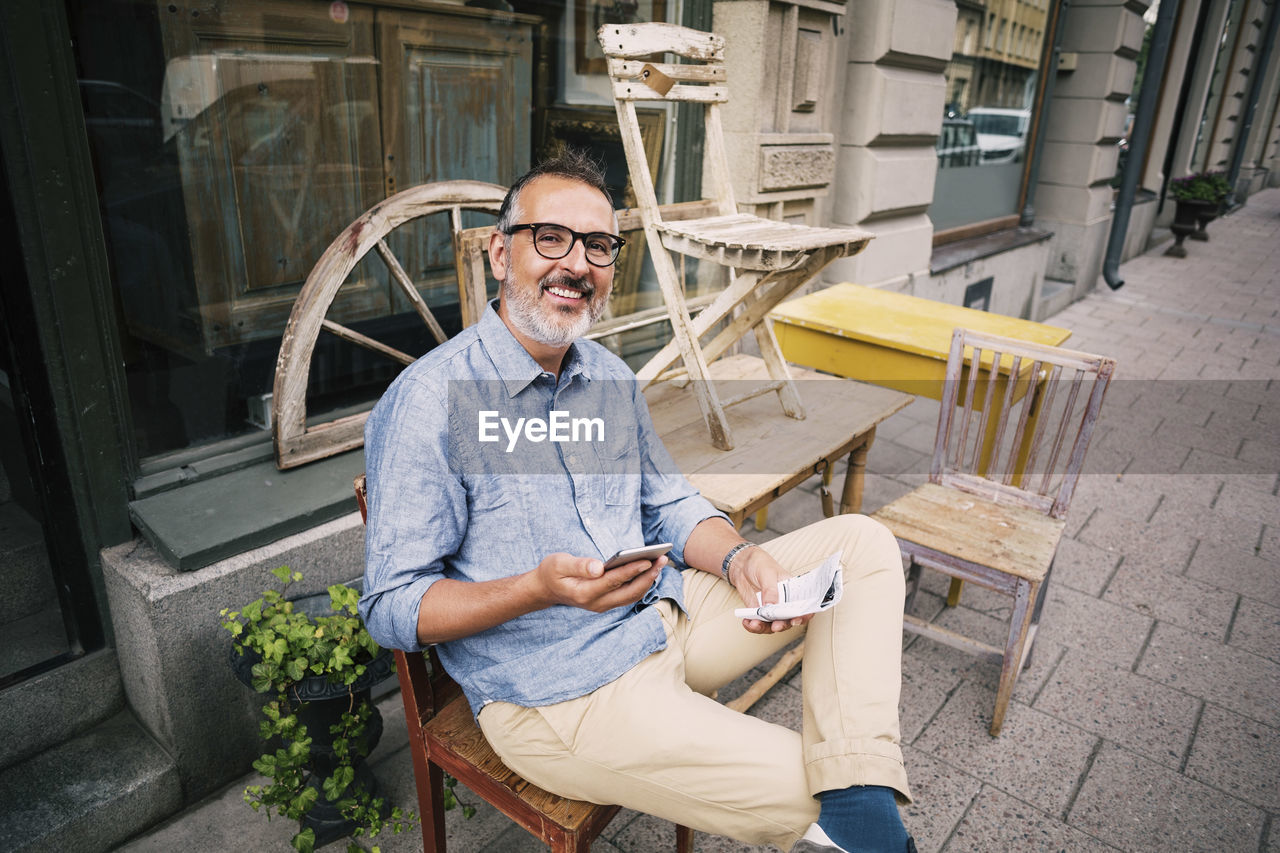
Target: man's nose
{"points": [[575, 263]]}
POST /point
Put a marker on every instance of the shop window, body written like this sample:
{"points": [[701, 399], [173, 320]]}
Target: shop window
{"points": [[1212, 150], [231, 144], [991, 92]]}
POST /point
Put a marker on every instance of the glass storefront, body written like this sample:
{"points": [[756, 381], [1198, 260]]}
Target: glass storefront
{"points": [[991, 90], [232, 142]]}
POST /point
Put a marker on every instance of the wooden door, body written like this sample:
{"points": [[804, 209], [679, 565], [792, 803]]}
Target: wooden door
{"points": [[456, 88], [273, 108]]}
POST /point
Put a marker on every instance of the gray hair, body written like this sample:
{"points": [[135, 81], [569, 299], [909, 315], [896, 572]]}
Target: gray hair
{"points": [[572, 164]]}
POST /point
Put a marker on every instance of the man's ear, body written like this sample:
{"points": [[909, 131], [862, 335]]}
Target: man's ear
{"points": [[498, 255]]}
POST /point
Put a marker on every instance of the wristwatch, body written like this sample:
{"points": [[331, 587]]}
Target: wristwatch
{"points": [[728, 558]]}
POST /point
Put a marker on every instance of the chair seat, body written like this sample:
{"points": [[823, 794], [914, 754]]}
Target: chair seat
{"points": [[1009, 539], [750, 242], [453, 737]]}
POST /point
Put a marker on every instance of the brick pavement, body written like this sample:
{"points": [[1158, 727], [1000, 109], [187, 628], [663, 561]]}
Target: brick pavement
{"points": [[1149, 718]]}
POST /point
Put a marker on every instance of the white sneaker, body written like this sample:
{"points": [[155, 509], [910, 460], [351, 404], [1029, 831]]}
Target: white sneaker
{"points": [[815, 840]]}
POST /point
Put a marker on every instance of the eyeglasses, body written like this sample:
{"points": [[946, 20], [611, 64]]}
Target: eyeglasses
{"points": [[555, 241]]}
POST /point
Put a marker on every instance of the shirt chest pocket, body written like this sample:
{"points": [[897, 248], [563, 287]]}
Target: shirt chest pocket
{"points": [[620, 466]]}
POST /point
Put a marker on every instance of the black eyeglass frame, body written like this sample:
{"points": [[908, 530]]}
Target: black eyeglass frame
{"points": [[577, 237]]}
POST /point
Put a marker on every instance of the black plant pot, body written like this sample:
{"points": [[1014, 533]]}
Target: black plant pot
{"points": [[320, 705], [1206, 212], [1185, 222]]}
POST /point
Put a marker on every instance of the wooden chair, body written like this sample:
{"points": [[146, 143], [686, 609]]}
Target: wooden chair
{"points": [[296, 442], [767, 260], [444, 738], [1000, 529]]}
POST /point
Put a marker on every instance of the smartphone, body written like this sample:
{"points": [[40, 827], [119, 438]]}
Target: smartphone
{"points": [[630, 555]]}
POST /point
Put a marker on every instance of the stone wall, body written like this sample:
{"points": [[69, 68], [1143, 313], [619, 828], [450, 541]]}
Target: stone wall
{"points": [[780, 57], [1086, 121], [173, 651], [891, 114]]}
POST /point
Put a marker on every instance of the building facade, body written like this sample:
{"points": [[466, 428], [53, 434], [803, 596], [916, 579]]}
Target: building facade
{"points": [[172, 171]]}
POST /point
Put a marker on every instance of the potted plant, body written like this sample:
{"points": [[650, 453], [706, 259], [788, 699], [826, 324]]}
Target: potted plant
{"points": [[315, 658], [1199, 199]]}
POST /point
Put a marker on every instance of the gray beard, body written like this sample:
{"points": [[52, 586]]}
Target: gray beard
{"points": [[538, 324]]}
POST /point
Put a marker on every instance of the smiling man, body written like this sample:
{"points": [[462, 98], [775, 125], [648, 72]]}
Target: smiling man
{"points": [[594, 682]]}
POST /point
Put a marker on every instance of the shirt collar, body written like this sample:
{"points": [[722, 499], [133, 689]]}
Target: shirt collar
{"points": [[512, 361]]}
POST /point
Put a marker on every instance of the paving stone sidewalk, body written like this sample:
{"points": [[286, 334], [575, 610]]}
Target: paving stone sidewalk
{"points": [[1149, 718]]}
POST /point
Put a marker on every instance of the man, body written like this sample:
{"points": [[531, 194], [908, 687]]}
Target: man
{"points": [[487, 536]]}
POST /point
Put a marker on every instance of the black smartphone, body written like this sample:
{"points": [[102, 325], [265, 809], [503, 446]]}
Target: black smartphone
{"points": [[630, 555]]}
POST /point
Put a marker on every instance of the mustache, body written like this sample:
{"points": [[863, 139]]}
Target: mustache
{"points": [[562, 280]]}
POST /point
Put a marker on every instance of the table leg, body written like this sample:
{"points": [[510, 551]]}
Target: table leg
{"points": [[855, 477]]}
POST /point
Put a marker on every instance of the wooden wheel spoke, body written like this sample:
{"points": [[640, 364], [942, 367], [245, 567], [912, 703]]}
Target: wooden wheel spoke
{"points": [[411, 293], [367, 342]]}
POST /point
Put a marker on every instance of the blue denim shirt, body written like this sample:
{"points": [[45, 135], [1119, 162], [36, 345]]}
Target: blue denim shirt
{"points": [[455, 491]]}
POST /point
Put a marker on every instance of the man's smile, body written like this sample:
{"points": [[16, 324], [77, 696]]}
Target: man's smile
{"points": [[569, 290]]}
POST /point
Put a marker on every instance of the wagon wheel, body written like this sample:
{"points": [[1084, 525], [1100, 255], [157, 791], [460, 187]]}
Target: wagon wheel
{"points": [[295, 442]]}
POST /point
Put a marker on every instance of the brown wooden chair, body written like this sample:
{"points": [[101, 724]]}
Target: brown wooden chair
{"points": [[766, 259], [444, 738], [1027, 431]]}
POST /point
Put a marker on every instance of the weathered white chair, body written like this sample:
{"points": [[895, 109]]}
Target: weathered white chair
{"points": [[297, 443], [1000, 528], [767, 260]]}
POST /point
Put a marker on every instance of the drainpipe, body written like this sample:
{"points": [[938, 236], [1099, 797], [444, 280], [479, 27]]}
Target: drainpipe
{"points": [[1028, 216], [1139, 140], [1251, 103]]}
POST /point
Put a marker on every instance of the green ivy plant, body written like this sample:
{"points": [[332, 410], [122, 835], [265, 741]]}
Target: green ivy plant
{"points": [[293, 646]]}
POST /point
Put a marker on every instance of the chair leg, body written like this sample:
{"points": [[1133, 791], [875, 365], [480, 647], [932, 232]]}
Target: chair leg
{"points": [[1035, 617], [1024, 602], [777, 365], [431, 808], [684, 839], [913, 584], [570, 842]]}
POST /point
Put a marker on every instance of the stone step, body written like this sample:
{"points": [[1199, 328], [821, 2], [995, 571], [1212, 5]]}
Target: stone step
{"points": [[89, 793], [57, 705], [28, 640]]}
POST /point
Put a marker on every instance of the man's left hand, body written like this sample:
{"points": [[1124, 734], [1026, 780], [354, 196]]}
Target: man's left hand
{"points": [[753, 571]]}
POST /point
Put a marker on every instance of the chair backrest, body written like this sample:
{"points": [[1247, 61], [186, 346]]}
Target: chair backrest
{"points": [[700, 79], [362, 497], [1019, 433]]}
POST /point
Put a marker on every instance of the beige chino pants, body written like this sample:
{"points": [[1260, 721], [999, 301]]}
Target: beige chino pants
{"points": [[654, 741]]}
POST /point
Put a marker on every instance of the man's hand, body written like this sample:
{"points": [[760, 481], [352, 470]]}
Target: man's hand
{"points": [[583, 582], [752, 571]]}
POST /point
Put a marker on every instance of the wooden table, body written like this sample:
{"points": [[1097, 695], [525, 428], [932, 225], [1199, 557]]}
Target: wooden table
{"points": [[897, 341], [772, 453]]}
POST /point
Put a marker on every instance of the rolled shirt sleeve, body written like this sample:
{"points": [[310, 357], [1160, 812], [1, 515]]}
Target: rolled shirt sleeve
{"points": [[417, 509]]}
